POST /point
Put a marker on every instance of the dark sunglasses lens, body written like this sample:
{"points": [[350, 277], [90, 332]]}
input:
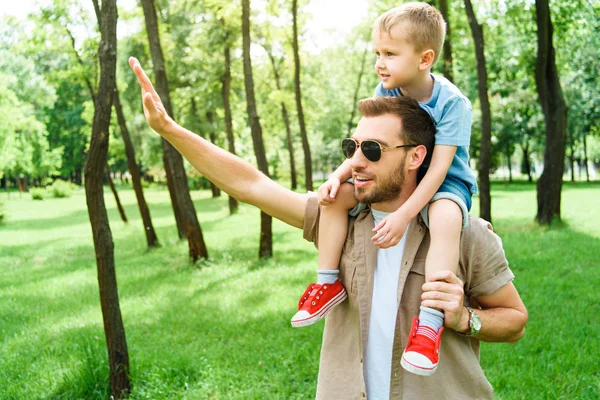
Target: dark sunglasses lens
{"points": [[348, 147], [371, 150]]}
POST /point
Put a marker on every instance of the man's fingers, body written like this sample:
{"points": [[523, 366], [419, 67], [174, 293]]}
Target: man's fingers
{"points": [[149, 103], [139, 72], [445, 276]]}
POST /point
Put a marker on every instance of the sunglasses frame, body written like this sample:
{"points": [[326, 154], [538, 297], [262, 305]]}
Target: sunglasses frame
{"points": [[381, 148]]}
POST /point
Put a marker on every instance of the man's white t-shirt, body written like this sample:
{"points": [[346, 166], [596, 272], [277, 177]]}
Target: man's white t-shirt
{"points": [[384, 309]]}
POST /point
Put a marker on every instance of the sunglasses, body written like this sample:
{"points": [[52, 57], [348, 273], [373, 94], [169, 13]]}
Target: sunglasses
{"points": [[370, 148]]}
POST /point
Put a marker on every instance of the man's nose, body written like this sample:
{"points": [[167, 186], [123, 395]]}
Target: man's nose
{"points": [[358, 159]]}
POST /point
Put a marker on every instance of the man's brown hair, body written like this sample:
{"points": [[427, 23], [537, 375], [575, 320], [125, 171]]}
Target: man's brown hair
{"points": [[424, 25], [417, 126]]}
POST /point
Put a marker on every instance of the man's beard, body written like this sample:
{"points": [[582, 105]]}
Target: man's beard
{"points": [[387, 189]]}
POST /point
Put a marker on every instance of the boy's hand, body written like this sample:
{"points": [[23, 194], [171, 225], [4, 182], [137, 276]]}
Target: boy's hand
{"points": [[390, 230], [328, 190], [154, 111]]}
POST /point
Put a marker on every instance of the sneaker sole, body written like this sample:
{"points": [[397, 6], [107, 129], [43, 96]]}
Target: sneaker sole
{"points": [[416, 369], [318, 316]]}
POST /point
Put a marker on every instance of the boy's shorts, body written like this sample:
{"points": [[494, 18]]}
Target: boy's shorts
{"points": [[451, 190]]}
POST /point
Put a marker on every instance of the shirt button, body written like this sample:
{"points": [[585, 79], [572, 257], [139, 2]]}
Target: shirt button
{"points": [[364, 396], [361, 360]]}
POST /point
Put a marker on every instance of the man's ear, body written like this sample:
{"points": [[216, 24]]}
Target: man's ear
{"points": [[417, 157], [427, 57]]}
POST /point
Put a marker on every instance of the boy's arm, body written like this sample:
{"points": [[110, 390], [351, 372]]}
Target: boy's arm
{"points": [[233, 175], [436, 173], [391, 229], [328, 190]]}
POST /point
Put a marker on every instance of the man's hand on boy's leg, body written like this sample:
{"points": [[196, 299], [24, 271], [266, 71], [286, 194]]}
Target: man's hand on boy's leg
{"points": [[445, 292], [390, 230]]}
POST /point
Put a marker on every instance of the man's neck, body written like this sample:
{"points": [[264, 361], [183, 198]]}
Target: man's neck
{"points": [[421, 88], [393, 205]]}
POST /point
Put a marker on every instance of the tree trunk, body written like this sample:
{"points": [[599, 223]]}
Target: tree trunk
{"points": [[90, 87], [356, 90], [151, 238], [266, 236], [527, 162], [572, 155], [111, 184], [550, 93], [585, 158], [216, 192], [118, 356], [508, 163], [286, 121], [305, 144], [179, 189], [447, 53], [485, 153], [226, 89]]}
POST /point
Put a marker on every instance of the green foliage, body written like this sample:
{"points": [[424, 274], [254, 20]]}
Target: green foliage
{"points": [[37, 193], [2, 214], [61, 189]]}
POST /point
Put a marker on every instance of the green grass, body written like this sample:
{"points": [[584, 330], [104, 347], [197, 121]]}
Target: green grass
{"points": [[220, 329]]}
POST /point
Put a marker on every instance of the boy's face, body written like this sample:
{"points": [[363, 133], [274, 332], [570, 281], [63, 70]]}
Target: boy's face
{"points": [[397, 62]]}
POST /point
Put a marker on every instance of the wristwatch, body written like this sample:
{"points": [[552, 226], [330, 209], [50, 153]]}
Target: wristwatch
{"points": [[474, 323]]}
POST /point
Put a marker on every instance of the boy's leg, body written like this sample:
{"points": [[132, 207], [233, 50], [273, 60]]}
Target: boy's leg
{"points": [[319, 298], [446, 220]]}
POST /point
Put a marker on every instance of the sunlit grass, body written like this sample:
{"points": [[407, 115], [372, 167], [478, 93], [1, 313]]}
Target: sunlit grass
{"points": [[220, 329]]}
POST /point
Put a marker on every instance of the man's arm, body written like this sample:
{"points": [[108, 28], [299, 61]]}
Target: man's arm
{"points": [[233, 175], [503, 314]]}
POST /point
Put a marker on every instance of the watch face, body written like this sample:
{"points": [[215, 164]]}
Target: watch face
{"points": [[475, 323]]}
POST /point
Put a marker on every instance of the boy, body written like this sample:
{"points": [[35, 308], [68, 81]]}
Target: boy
{"points": [[408, 40]]}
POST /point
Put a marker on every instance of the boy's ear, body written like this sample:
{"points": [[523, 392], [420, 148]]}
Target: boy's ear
{"points": [[427, 57]]}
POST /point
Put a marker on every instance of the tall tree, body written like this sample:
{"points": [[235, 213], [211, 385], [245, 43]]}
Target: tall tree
{"points": [[286, 119], [447, 53], [226, 90], [134, 170], [118, 356], [113, 189], [170, 156], [550, 93], [305, 144], [89, 85], [485, 153], [266, 236], [216, 192], [179, 189]]}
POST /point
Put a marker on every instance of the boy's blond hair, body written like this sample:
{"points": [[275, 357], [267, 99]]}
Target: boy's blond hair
{"points": [[423, 23]]}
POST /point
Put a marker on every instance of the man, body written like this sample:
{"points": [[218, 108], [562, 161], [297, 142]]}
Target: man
{"points": [[365, 335]]}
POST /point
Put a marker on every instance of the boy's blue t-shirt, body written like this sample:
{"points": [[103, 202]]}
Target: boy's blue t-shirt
{"points": [[452, 114]]}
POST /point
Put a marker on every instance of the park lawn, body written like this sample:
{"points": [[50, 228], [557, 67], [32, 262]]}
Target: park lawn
{"points": [[220, 329]]}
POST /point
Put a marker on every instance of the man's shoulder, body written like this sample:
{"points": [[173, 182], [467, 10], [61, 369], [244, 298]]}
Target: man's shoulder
{"points": [[479, 235]]}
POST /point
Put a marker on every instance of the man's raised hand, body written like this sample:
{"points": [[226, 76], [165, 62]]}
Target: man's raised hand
{"points": [[154, 111]]}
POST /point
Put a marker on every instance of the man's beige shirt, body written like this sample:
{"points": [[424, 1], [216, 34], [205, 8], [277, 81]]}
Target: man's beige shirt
{"points": [[483, 269]]}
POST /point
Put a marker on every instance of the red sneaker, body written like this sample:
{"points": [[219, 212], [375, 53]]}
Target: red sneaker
{"points": [[423, 349], [316, 302]]}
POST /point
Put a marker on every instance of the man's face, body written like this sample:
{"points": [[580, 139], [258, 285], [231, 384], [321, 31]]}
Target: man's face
{"points": [[397, 62], [380, 181]]}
